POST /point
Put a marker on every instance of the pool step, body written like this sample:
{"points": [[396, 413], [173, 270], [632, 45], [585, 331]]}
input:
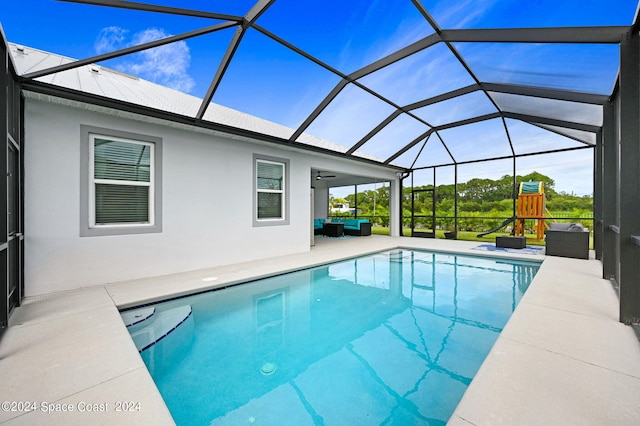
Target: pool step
{"points": [[149, 332], [136, 316]]}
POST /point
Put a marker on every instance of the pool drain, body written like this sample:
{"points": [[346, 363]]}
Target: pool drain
{"points": [[268, 368]]}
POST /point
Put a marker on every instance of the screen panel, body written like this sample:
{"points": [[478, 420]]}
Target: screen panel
{"points": [[346, 35], [425, 74], [590, 68]]}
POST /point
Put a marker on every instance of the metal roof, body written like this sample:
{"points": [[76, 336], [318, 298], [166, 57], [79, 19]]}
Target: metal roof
{"points": [[115, 85], [411, 84]]}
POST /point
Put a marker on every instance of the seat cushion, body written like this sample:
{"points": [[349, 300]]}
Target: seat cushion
{"points": [[559, 226], [576, 227], [352, 224]]}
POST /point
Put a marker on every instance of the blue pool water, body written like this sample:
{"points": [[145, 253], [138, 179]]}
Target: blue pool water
{"points": [[392, 338]]}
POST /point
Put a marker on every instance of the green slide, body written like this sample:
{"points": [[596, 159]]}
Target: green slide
{"points": [[502, 225]]}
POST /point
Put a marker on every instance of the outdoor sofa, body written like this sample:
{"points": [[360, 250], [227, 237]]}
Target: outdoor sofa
{"points": [[567, 240], [357, 227], [317, 226]]}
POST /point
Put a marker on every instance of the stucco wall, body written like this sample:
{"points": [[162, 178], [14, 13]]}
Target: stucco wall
{"points": [[207, 204]]}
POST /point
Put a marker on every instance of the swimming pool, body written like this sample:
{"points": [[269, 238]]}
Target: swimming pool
{"points": [[390, 338]]}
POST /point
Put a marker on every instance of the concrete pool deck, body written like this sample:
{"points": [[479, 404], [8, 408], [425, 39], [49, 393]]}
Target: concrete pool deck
{"points": [[563, 358]]}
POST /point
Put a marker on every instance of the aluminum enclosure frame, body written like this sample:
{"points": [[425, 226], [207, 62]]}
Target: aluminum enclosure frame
{"points": [[11, 191], [616, 151]]}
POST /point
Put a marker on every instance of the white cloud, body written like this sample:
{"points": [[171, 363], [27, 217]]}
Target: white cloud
{"points": [[167, 65], [456, 15], [110, 39]]}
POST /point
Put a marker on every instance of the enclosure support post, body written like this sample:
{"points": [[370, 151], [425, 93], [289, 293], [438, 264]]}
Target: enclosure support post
{"points": [[597, 197], [513, 189], [455, 201], [355, 200], [5, 262], [629, 197], [610, 191]]}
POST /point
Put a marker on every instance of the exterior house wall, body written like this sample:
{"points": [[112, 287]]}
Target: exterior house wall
{"points": [[207, 203]]}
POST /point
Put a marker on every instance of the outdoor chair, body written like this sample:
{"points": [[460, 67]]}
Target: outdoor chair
{"points": [[567, 240]]}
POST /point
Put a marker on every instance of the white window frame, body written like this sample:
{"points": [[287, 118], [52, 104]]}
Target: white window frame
{"points": [[284, 192], [88, 225], [92, 186]]}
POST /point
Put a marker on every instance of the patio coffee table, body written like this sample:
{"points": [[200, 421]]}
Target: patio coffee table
{"points": [[332, 229], [511, 242]]}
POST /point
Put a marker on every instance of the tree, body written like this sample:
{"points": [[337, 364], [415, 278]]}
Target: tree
{"points": [[479, 197]]}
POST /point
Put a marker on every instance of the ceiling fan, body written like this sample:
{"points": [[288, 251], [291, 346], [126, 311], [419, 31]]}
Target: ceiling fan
{"points": [[321, 176]]}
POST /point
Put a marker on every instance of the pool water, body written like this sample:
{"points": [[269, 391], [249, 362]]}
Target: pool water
{"points": [[390, 338]]}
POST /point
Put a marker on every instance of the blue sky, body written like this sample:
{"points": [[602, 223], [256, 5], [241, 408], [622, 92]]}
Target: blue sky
{"points": [[270, 81]]}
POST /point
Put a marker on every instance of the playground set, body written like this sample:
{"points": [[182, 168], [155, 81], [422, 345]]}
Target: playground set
{"points": [[531, 204]]}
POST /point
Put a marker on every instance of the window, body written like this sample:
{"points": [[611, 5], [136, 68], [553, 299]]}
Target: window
{"points": [[271, 181], [122, 190], [122, 187], [270, 190]]}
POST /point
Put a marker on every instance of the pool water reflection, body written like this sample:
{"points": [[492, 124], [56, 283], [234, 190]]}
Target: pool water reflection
{"points": [[391, 338]]}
